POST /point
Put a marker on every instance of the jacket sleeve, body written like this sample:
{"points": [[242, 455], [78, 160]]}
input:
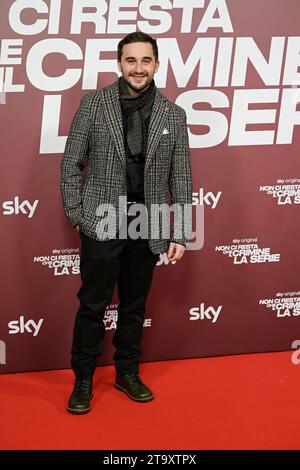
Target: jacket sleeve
{"points": [[180, 185], [74, 160]]}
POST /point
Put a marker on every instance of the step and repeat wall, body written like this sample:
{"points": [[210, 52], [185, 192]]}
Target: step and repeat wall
{"points": [[233, 65]]}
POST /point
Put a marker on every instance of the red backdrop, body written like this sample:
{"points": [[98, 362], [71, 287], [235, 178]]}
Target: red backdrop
{"points": [[233, 66]]}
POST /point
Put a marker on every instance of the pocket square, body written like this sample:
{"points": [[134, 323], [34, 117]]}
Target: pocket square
{"points": [[165, 131]]}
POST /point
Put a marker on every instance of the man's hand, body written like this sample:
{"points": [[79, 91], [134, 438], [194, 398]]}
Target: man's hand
{"points": [[77, 228], [175, 251]]}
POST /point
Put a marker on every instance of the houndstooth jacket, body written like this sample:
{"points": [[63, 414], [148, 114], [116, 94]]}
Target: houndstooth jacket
{"points": [[96, 141]]}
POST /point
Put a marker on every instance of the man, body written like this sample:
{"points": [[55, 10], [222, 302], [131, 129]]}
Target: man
{"points": [[134, 144]]}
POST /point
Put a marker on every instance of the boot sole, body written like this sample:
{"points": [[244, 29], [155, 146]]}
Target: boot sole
{"points": [[142, 400]]}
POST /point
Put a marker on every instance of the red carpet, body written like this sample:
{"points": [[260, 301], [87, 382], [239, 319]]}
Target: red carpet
{"points": [[233, 402]]}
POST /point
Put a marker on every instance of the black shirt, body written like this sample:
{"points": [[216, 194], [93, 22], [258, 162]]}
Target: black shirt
{"points": [[134, 169]]}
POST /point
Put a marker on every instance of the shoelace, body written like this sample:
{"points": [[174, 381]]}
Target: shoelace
{"points": [[82, 386], [134, 378]]}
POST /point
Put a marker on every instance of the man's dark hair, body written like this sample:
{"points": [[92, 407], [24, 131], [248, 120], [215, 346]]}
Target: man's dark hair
{"points": [[137, 37]]}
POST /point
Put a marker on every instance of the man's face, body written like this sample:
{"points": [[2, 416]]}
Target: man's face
{"points": [[138, 66]]}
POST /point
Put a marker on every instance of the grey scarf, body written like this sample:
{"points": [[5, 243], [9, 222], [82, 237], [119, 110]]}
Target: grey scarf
{"points": [[137, 109]]}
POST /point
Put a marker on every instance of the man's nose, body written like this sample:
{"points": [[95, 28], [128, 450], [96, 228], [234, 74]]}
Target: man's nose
{"points": [[139, 67]]}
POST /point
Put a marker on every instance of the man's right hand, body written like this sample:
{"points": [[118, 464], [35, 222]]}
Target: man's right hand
{"points": [[77, 228]]}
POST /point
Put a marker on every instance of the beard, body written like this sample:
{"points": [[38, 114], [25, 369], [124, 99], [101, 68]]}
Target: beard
{"points": [[136, 86]]}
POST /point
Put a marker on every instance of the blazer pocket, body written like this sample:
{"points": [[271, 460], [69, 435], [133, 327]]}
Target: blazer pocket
{"points": [[165, 144], [165, 139]]}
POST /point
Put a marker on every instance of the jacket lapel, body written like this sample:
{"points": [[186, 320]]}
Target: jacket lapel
{"points": [[157, 124], [112, 112], [113, 116]]}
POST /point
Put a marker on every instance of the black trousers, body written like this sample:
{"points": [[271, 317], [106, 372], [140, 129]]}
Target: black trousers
{"points": [[129, 263]]}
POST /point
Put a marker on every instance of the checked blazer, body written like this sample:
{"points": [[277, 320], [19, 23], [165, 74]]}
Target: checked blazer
{"points": [[96, 143]]}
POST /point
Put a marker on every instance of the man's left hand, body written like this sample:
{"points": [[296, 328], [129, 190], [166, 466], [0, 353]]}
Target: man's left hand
{"points": [[175, 251]]}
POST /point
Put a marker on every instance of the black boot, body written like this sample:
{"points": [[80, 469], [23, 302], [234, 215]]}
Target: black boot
{"points": [[132, 384], [79, 402]]}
